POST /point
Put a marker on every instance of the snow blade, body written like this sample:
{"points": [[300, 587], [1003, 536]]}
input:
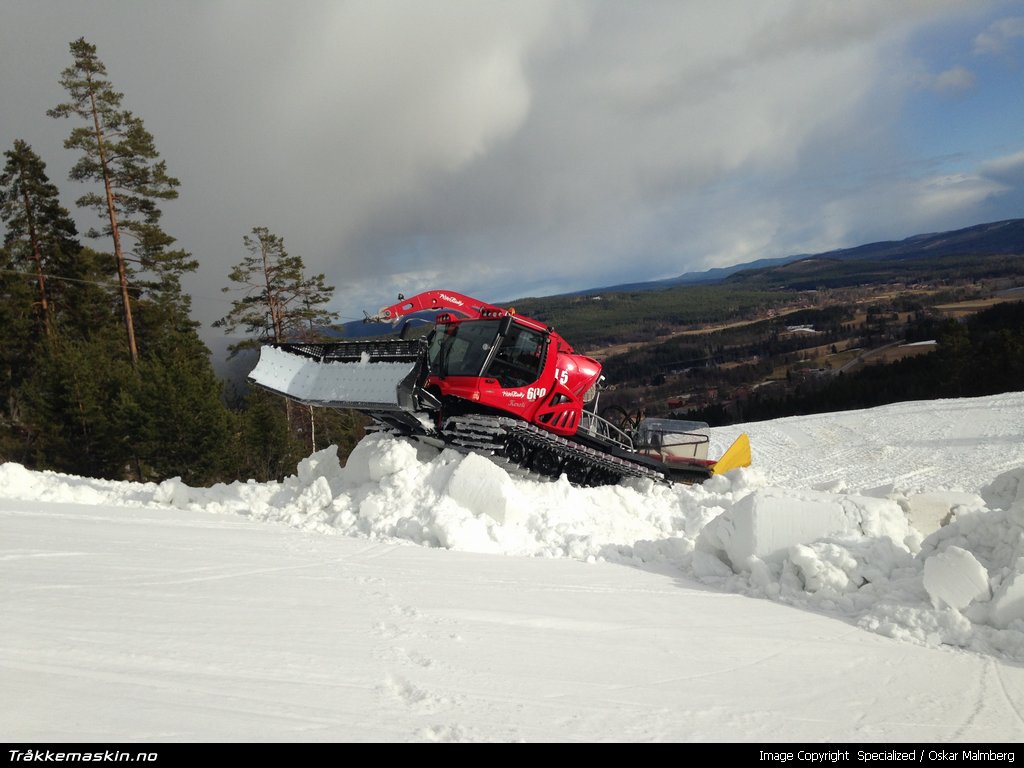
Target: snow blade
{"points": [[738, 455], [362, 375]]}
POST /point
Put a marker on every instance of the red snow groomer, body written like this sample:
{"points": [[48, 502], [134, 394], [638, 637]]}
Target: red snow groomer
{"points": [[486, 380]]}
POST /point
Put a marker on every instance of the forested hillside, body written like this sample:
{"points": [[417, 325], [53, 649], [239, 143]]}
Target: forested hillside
{"points": [[981, 355], [832, 348]]}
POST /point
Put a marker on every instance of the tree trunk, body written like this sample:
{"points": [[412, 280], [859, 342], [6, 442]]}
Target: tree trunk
{"points": [[312, 429], [37, 257], [122, 271]]}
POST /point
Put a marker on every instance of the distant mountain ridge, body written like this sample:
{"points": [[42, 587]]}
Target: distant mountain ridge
{"points": [[796, 271], [994, 238]]}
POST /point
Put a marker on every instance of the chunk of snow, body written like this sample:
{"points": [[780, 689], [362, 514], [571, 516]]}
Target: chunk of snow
{"points": [[930, 511], [767, 522], [485, 489], [1007, 492], [376, 457], [826, 567], [1008, 602], [954, 578]]}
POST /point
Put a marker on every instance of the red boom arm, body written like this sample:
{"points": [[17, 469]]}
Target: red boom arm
{"points": [[436, 300]]}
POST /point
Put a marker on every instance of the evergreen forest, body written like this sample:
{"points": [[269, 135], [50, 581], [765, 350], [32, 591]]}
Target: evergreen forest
{"points": [[102, 370]]}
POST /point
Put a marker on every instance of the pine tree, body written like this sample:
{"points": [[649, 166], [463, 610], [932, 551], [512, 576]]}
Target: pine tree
{"points": [[118, 152], [156, 412], [278, 301], [41, 238]]}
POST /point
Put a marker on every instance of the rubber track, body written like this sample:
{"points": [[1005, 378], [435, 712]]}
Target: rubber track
{"points": [[488, 434]]}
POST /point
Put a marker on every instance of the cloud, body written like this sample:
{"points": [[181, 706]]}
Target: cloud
{"points": [[998, 38], [1008, 169], [636, 125], [954, 80], [905, 202], [508, 148], [539, 147], [401, 89], [945, 196]]}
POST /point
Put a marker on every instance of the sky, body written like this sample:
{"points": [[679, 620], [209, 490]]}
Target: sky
{"points": [[861, 583], [509, 149]]}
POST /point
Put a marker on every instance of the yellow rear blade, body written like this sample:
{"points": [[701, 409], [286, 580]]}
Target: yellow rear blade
{"points": [[738, 455]]}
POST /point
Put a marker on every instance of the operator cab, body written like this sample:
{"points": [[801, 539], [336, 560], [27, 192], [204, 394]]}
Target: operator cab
{"points": [[501, 349]]}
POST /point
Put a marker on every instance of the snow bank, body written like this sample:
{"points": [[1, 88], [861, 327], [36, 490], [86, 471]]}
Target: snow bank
{"points": [[857, 555], [766, 523]]}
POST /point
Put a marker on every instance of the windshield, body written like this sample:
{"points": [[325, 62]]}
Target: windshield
{"points": [[519, 359], [460, 349], [463, 349]]}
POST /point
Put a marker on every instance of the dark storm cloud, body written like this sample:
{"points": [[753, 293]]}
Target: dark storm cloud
{"points": [[512, 148]]}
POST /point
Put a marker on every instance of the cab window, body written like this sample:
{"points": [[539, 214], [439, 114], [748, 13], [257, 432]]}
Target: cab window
{"points": [[460, 349], [520, 358]]}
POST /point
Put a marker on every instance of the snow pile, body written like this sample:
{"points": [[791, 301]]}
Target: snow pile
{"points": [[854, 554]]}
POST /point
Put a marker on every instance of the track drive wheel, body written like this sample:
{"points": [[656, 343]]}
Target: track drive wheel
{"points": [[547, 463], [600, 477], [577, 471], [516, 451]]}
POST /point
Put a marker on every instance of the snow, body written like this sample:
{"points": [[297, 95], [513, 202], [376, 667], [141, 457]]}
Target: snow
{"points": [[863, 582]]}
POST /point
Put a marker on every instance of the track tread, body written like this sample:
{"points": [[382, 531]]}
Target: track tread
{"points": [[582, 464]]}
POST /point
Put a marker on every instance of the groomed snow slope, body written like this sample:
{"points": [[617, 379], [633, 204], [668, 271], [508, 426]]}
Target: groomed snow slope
{"points": [[840, 512]]}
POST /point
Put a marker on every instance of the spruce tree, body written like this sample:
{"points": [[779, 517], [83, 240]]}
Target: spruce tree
{"points": [[267, 449], [19, 321], [174, 413], [41, 238], [119, 153], [40, 275], [75, 385]]}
